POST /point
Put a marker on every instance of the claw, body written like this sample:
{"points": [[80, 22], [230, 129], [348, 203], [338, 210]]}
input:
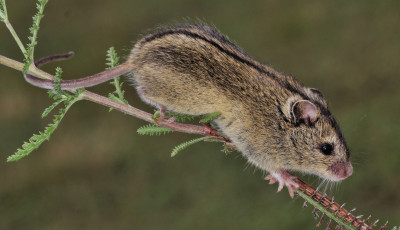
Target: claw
{"points": [[280, 187], [271, 179], [171, 119], [284, 179]]}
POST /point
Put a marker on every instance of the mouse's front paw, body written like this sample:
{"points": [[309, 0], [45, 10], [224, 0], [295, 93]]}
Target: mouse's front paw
{"points": [[284, 179]]}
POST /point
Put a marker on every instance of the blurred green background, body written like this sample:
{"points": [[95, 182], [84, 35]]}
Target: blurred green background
{"points": [[97, 173]]}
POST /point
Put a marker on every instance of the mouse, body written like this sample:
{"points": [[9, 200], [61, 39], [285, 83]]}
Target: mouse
{"points": [[277, 124]]}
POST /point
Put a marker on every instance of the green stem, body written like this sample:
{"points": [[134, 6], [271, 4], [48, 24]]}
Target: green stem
{"points": [[19, 66], [3, 13], [15, 36]]}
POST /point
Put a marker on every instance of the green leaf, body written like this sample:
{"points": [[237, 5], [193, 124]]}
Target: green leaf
{"points": [[184, 145], [209, 117], [51, 107], [152, 129], [181, 117], [226, 150], [33, 34], [112, 61], [112, 58], [57, 82], [37, 139]]}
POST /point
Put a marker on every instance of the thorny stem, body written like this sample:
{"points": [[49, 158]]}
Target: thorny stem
{"points": [[325, 204], [332, 209], [329, 207]]}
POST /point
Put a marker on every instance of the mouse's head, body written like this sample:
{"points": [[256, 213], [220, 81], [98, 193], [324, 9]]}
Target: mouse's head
{"points": [[314, 139]]}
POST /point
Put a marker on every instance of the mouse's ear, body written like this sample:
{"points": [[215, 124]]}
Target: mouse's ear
{"points": [[304, 111]]}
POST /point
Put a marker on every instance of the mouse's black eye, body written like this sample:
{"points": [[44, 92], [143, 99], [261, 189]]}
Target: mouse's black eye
{"points": [[326, 149]]}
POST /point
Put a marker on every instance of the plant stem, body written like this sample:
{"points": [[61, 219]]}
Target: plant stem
{"points": [[320, 201], [329, 207], [15, 36], [127, 109], [11, 63], [19, 66]]}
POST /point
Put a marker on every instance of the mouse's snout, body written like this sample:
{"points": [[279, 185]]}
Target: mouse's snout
{"points": [[341, 170]]}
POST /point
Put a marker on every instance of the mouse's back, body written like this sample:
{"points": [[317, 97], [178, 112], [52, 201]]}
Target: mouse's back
{"points": [[276, 122]]}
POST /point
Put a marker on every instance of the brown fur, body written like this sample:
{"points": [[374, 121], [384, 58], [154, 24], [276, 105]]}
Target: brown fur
{"points": [[193, 69]]}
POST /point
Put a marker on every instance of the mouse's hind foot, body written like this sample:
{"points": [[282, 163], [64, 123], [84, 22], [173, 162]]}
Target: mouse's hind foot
{"points": [[161, 115], [284, 179]]}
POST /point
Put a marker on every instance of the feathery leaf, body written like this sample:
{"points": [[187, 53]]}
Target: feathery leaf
{"points": [[33, 32], [112, 61], [57, 82], [152, 129], [184, 145], [181, 117], [52, 106], [37, 139], [209, 117]]}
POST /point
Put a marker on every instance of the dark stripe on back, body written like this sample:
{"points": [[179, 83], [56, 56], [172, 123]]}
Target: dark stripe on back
{"points": [[229, 53], [286, 85], [216, 45]]}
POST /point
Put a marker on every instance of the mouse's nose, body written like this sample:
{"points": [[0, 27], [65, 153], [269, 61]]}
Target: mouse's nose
{"points": [[341, 169], [349, 169]]}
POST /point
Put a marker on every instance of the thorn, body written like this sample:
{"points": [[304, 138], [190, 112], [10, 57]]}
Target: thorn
{"points": [[341, 207], [305, 204], [320, 221], [331, 203], [349, 213], [328, 226], [364, 221], [315, 192], [315, 213], [322, 197], [384, 226], [357, 218], [373, 224]]}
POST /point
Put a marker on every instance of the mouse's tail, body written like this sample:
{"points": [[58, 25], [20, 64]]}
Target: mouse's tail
{"points": [[88, 81]]}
